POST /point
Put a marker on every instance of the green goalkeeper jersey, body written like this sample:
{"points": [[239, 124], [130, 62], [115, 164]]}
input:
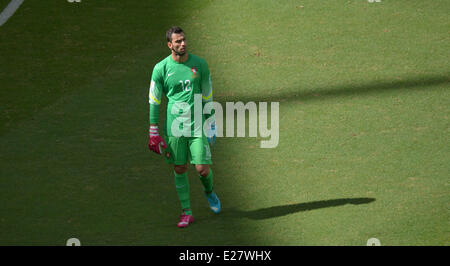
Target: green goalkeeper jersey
{"points": [[183, 84]]}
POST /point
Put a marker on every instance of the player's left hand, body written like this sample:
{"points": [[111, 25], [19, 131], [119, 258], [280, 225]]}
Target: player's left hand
{"points": [[212, 132]]}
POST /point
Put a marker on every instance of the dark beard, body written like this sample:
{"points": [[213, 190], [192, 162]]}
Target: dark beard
{"points": [[178, 53]]}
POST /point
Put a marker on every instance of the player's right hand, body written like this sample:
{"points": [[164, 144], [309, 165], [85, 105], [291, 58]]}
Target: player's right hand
{"points": [[155, 142]]}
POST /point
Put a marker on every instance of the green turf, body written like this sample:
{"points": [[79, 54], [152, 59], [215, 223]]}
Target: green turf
{"points": [[364, 122]]}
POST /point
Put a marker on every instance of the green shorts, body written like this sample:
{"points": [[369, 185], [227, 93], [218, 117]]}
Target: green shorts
{"points": [[183, 149]]}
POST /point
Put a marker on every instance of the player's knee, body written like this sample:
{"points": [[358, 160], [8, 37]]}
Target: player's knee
{"points": [[180, 169], [202, 170]]}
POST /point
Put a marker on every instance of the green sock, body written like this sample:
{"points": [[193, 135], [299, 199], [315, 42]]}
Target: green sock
{"points": [[182, 186], [207, 182]]}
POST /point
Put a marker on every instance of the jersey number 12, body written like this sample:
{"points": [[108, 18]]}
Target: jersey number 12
{"points": [[186, 85]]}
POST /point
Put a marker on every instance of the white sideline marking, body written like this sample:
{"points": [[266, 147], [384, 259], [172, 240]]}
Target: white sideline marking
{"points": [[9, 10]]}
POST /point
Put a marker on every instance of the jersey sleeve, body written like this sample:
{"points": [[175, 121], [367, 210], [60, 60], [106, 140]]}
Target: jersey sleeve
{"points": [[155, 93], [206, 85]]}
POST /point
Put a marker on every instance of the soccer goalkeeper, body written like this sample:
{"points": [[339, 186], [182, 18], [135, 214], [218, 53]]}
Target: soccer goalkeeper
{"points": [[181, 76]]}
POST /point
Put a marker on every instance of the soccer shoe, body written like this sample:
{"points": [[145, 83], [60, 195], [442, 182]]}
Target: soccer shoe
{"points": [[214, 202], [185, 220]]}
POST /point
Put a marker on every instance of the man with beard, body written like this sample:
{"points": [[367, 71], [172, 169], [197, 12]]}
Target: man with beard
{"points": [[180, 77]]}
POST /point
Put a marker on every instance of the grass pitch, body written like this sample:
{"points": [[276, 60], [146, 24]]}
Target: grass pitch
{"points": [[364, 122]]}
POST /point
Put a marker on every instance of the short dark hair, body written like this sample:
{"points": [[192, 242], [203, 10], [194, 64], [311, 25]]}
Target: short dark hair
{"points": [[174, 29]]}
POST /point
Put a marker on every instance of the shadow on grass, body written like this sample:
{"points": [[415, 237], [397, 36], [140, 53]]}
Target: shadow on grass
{"points": [[282, 210], [356, 89]]}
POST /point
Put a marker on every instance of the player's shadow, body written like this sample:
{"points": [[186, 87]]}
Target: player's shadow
{"points": [[282, 210]]}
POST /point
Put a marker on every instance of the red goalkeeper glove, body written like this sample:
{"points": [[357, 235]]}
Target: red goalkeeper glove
{"points": [[155, 142]]}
